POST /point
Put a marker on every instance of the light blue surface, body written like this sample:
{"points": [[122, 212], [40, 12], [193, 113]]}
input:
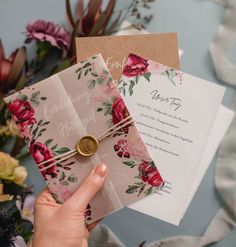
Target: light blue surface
{"points": [[196, 22]]}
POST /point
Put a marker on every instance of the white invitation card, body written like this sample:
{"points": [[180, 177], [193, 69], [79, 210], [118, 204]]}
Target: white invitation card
{"points": [[174, 113]]}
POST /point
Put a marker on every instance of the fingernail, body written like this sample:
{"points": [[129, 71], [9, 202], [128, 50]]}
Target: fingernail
{"points": [[101, 170]]}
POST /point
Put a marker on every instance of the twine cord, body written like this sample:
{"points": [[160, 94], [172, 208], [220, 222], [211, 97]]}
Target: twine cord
{"points": [[62, 157]]}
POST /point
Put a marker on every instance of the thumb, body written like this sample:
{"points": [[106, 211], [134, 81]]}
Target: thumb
{"points": [[88, 188], [45, 199]]}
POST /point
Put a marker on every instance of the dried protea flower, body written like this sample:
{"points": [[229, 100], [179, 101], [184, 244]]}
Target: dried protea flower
{"points": [[92, 20], [11, 69]]}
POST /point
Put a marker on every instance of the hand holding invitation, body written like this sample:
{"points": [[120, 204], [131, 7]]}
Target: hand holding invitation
{"points": [[84, 112]]}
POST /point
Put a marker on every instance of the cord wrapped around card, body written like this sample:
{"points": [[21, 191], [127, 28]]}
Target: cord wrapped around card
{"points": [[75, 119]]}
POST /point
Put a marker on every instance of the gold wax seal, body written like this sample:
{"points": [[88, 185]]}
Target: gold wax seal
{"points": [[87, 146]]}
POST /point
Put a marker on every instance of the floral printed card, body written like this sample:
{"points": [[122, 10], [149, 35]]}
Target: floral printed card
{"points": [[56, 113], [174, 113]]}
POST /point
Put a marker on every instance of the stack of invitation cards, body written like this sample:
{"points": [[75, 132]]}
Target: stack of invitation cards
{"points": [[76, 119], [164, 49], [174, 113], [150, 130]]}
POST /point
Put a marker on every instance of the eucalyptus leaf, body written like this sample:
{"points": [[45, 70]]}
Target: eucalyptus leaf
{"points": [[72, 178], [91, 83], [22, 97], [48, 141], [62, 176], [123, 91], [78, 70], [100, 80], [87, 65], [105, 72], [42, 130], [54, 147], [34, 101], [99, 109], [45, 123], [35, 94], [79, 75], [94, 74], [129, 163], [131, 189], [86, 72], [147, 76], [40, 122], [62, 150]]}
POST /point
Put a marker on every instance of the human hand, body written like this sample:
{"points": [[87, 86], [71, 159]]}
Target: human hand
{"points": [[59, 225]]}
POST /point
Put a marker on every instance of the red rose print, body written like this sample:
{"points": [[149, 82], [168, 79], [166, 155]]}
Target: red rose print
{"points": [[23, 113], [135, 66], [119, 110], [121, 148], [88, 212], [150, 174], [42, 153]]}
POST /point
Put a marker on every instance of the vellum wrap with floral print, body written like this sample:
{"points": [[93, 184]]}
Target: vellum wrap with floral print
{"points": [[84, 100]]}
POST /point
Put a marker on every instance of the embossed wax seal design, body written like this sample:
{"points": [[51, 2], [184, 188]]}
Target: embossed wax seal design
{"points": [[87, 146]]}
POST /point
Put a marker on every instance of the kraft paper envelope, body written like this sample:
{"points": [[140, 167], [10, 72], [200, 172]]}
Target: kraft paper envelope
{"points": [[115, 49]]}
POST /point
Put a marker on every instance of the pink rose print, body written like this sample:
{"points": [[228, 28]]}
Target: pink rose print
{"points": [[149, 173], [40, 153], [110, 89], [135, 145], [23, 113], [132, 145], [156, 68], [63, 191], [96, 68], [119, 110], [135, 66]]}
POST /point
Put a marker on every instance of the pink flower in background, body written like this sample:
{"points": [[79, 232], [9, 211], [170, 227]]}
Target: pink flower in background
{"points": [[48, 31], [26, 208], [156, 68], [149, 173], [23, 114], [135, 66], [119, 110], [19, 241], [135, 145], [110, 89], [40, 153]]}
